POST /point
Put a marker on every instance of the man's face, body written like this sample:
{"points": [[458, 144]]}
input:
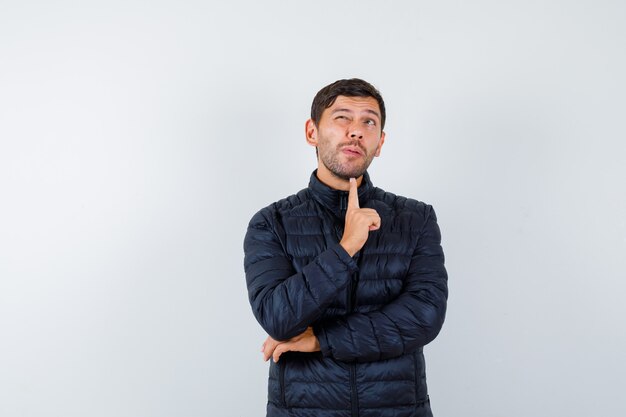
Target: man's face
{"points": [[348, 136]]}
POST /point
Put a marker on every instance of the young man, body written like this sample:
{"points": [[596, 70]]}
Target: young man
{"points": [[348, 280]]}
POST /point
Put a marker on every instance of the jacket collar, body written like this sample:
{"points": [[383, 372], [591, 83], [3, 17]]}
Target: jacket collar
{"points": [[336, 200]]}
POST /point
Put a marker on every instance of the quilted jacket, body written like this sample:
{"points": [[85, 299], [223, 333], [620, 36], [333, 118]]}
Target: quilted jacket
{"points": [[372, 313]]}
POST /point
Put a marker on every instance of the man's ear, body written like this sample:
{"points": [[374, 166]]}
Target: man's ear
{"points": [[380, 143], [310, 131]]}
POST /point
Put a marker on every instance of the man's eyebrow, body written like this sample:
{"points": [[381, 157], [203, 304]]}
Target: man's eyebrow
{"points": [[375, 113]]}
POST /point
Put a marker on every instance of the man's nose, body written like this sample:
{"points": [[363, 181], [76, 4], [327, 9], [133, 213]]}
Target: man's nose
{"points": [[355, 133]]}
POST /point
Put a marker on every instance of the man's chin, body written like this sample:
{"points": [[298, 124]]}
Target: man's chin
{"points": [[345, 170], [346, 175]]}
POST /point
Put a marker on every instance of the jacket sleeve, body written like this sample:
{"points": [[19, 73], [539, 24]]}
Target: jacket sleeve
{"points": [[285, 302], [407, 323]]}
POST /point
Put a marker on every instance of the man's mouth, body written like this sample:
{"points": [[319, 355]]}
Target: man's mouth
{"points": [[352, 150]]}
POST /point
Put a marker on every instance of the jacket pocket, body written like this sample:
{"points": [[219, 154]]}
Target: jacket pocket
{"points": [[276, 383], [282, 364], [421, 391]]}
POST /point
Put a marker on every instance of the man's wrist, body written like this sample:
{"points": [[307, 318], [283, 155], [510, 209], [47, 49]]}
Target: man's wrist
{"points": [[348, 248]]}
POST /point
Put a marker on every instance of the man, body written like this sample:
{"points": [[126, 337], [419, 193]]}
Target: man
{"points": [[347, 279]]}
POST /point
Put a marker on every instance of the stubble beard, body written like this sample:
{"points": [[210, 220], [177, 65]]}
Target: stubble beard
{"points": [[345, 171]]}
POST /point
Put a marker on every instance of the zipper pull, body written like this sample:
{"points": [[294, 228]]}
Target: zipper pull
{"points": [[343, 202]]}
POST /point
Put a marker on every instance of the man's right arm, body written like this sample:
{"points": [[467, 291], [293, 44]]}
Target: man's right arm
{"points": [[406, 323], [286, 302]]}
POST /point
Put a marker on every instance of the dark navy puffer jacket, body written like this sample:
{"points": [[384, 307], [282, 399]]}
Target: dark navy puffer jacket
{"points": [[372, 313]]}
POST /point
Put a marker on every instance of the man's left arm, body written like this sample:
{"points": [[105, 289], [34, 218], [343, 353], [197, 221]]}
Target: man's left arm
{"points": [[409, 322]]}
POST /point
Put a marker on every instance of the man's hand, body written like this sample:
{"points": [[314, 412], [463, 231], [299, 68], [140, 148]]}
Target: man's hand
{"points": [[304, 342], [359, 222]]}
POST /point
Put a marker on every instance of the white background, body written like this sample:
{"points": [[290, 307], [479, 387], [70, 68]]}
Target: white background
{"points": [[137, 138]]}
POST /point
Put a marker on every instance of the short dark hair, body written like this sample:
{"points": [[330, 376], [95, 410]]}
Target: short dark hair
{"points": [[353, 87]]}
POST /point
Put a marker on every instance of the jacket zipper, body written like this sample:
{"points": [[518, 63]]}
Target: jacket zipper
{"points": [[350, 305], [343, 202], [354, 399]]}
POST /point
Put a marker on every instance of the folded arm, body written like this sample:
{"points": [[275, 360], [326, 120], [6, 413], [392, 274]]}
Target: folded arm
{"points": [[286, 302], [407, 323]]}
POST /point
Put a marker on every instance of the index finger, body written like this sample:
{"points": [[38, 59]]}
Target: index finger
{"points": [[353, 195], [269, 347]]}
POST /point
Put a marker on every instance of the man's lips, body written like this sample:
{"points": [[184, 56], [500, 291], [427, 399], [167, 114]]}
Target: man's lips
{"points": [[352, 151]]}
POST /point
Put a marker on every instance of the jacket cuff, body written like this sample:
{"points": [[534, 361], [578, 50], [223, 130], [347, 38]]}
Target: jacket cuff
{"points": [[344, 257], [319, 332]]}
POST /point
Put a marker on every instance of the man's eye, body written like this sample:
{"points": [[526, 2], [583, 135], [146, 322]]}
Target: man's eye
{"points": [[370, 122]]}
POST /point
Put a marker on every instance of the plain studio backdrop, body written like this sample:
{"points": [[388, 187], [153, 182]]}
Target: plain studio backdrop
{"points": [[137, 138]]}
